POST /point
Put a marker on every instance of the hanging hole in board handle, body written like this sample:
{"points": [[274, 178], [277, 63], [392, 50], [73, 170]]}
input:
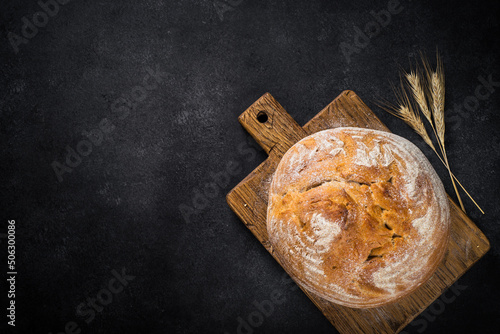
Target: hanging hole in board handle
{"points": [[262, 117]]}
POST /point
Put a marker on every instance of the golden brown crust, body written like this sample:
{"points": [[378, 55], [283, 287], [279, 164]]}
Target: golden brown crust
{"points": [[357, 216]]}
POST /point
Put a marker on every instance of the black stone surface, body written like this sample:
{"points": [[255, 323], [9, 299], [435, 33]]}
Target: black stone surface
{"points": [[122, 205]]}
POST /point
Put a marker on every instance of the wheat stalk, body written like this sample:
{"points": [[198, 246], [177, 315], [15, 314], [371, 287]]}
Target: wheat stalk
{"points": [[417, 85], [436, 82], [437, 85]]}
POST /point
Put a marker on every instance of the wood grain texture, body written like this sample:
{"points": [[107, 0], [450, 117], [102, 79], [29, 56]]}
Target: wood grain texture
{"points": [[249, 201]]}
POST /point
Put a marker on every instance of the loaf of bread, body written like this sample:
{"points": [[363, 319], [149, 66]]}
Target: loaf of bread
{"points": [[358, 217]]}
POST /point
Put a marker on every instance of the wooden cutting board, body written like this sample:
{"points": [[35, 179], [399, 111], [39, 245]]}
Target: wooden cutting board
{"points": [[276, 131]]}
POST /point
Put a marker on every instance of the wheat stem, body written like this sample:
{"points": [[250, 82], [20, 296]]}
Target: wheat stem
{"points": [[460, 184], [456, 179]]}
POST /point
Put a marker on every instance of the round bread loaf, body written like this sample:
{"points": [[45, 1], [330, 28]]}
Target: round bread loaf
{"points": [[358, 217]]}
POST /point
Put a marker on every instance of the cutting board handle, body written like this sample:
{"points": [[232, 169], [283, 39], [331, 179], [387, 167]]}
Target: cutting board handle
{"points": [[271, 126]]}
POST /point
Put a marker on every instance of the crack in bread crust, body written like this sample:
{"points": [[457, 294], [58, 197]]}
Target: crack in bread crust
{"points": [[357, 216]]}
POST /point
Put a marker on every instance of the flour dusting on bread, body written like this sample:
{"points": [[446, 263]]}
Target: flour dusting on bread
{"points": [[324, 230]]}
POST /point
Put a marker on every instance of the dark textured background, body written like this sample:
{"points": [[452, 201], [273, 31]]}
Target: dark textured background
{"points": [[120, 207]]}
